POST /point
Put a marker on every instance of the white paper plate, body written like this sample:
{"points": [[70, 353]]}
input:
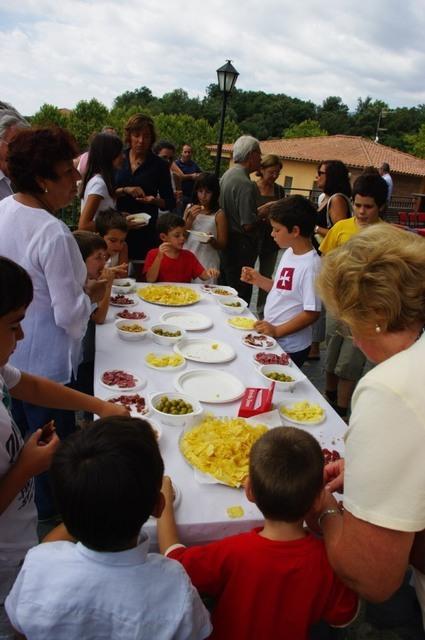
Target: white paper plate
{"points": [[140, 383], [133, 412], [132, 302], [269, 344], [210, 385], [168, 368], [302, 422], [141, 219], [187, 320], [231, 321], [204, 350]]}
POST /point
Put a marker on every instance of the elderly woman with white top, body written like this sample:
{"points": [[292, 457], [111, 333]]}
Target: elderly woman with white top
{"points": [[40, 166]]}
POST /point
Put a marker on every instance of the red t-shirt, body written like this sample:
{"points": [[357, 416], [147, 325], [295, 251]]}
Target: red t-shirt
{"points": [[185, 268], [267, 589]]}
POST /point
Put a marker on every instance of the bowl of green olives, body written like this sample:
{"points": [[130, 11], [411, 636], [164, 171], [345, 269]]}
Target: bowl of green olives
{"points": [[284, 376], [167, 334], [175, 409]]}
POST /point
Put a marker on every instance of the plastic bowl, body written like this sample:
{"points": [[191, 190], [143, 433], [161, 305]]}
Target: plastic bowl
{"points": [[131, 336], [201, 236], [167, 340], [233, 311], [139, 219], [123, 285], [222, 293], [294, 373], [175, 420]]}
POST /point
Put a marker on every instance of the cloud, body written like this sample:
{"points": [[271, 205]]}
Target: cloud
{"points": [[64, 52]]}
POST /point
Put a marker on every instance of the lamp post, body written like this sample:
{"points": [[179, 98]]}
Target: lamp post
{"points": [[227, 76]]}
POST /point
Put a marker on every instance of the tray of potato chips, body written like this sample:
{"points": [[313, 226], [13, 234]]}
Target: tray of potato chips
{"points": [[303, 412], [219, 448], [169, 295]]}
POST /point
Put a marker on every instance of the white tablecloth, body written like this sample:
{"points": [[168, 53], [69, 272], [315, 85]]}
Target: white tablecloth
{"points": [[201, 514]]}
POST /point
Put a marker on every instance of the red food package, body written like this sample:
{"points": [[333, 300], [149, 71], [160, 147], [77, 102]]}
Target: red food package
{"points": [[255, 401]]}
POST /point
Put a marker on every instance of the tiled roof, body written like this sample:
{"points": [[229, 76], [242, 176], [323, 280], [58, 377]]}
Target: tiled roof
{"points": [[355, 151]]}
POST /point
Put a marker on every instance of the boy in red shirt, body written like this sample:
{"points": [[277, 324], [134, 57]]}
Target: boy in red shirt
{"points": [[170, 262], [274, 581]]}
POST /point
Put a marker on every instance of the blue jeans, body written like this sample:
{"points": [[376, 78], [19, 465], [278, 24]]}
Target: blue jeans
{"points": [[29, 418]]}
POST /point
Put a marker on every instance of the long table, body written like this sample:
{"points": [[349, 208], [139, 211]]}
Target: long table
{"points": [[202, 511]]}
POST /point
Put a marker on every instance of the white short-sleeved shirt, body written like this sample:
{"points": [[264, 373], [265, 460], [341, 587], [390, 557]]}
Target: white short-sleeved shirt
{"points": [[384, 481], [18, 523], [68, 592], [294, 291], [96, 186], [57, 318]]}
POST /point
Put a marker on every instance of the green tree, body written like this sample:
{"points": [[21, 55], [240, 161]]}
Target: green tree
{"points": [[49, 115], [141, 98], [416, 142], [178, 102], [333, 116], [87, 118], [305, 129]]}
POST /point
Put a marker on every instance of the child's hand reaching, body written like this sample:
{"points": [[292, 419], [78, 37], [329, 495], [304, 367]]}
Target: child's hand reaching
{"points": [[249, 275], [209, 274], [167, 490], [265, 327]]}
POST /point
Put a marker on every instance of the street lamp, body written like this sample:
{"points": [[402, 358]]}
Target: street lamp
{"points": [[227, 76]]}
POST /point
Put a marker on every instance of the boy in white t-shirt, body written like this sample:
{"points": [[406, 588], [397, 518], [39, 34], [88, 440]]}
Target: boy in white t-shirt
{"points": [[292, 305], [20, 462]]}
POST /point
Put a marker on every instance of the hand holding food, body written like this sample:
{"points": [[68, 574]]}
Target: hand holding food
{"points": [[211, 273], [249, 275], [36, 455], [265, 327], [134, 192], [334, 475], [107, 409], [164, 247]]}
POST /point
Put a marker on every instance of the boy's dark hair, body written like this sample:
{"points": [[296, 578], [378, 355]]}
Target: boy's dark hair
{"points": [[110, 219], [163, 144], [295, 211], [207, 181], [370, 185], [104, 149], [106, 480], [286, 473], [16, 288], [89, 242], [169, 221]]}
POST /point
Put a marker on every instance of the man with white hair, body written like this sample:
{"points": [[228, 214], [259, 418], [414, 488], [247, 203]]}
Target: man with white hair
{"points": [[10, 122], [238, 201], [384, 171]]}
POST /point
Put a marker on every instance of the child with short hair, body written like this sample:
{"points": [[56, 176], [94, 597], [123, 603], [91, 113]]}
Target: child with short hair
{"points": [[274, 581], [170, 262], [112, 226], [292, 305], [20, 462], [107, 482]]}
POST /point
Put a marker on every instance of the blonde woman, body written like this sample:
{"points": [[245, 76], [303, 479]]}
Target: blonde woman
{"points": [[375, 284]]}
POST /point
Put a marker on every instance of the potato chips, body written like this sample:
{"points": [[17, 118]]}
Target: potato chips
{"points": [[168, 295], [241, 322], [220, 447], [303, 412]]}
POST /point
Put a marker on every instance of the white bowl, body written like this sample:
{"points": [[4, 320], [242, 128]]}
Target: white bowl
{"points": [[130, 335], [222, 293], [233, 311], [123, 285], [141, 219], [175, 420], [294, 373], [201, 236], [167, 340]]}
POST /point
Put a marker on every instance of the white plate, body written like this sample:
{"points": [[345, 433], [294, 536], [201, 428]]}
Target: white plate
{"points": [[201, 235], [132, 302], [302, 422], [204, 350], [142, 219], [187, 320], [271, 342], [133, 412], [230, 322], [208, 288], [168, 368], [210, 385], [145, 317], [140, 382]]}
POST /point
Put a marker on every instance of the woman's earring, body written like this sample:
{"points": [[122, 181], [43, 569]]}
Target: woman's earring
{"points": [[377, 329], [46, 190]]}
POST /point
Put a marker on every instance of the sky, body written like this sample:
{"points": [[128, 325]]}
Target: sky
{"points": [[62, 51]]}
